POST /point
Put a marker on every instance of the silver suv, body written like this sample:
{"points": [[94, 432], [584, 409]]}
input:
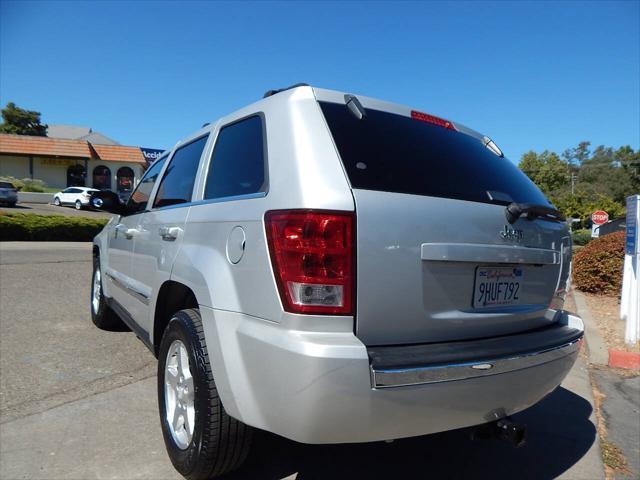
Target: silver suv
{"points": [[334, 268]]}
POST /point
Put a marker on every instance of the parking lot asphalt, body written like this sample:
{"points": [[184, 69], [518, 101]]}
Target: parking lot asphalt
{"points": [[621, 414], [46, 209], [80, 403]]}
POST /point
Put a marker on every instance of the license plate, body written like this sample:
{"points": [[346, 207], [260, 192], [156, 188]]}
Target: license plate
{"points": [[497, 286]]}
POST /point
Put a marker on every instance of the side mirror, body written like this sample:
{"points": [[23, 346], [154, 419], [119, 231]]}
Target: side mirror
{"points": [[107, 201]]}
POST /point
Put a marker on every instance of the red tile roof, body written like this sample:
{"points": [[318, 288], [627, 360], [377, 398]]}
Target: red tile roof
{"points": [[58, 147], [27, 145], [118, 153]]}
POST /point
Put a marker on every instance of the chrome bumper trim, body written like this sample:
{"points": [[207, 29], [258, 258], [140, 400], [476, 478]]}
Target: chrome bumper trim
{"points": [[481, 253], [401, 377]]}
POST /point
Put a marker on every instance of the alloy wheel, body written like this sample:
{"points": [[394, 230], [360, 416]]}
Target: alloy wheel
{"points": [[179, 394]]}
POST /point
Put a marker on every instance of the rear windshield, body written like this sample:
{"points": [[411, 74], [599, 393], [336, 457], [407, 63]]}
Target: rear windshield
{"points": [[393, 153], [6, 185]]}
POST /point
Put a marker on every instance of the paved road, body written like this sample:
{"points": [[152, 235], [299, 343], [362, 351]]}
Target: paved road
{"points": [[621, 413], [51, 353], [45, 209], [79, 403]]}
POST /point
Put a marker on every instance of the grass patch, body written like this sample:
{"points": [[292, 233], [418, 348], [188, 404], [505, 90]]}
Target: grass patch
{"points": [[52, 228]]}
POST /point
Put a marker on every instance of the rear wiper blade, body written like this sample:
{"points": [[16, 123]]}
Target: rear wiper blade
{"points": [[514, 211]]}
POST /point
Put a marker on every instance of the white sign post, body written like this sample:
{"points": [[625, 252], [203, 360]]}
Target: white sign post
{"points": [[630, 300]]}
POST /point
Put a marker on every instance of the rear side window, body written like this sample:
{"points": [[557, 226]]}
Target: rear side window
{"points": [[6, 185], [176, 185], [393, 153], [139, 198], [238, 162]]}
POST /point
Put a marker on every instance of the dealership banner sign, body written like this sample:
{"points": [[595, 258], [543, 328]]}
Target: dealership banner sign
{"points": [[151, 154]]}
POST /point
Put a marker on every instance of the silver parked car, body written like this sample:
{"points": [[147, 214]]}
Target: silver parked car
{"points": [[8, 194], [334, 268]]}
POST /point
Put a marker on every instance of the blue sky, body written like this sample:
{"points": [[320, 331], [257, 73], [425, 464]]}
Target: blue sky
{"points": [[532, 75]]}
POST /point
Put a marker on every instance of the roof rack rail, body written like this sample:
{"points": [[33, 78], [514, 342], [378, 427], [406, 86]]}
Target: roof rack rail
{"points": [[273, 92]]}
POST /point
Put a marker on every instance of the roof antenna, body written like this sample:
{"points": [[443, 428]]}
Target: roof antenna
{"points": [[355, 107], [269, 93]]}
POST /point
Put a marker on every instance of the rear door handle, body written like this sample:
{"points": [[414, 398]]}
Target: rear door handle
{"points": [[169, 233], [126, 231]]}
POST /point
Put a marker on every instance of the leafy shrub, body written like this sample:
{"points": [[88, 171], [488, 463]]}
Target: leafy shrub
{"points": [[28, 226], [16, 183], [575, 249], [581, 237], [27, 184], [33, 185], [597, 267]]}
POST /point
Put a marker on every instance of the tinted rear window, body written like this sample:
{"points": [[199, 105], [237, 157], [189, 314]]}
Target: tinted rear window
{"points": [[238, 164], [393, 153], [6, 185]]}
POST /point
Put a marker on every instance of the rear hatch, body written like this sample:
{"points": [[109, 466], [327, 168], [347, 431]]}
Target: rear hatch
{"points": [[436, 258]]}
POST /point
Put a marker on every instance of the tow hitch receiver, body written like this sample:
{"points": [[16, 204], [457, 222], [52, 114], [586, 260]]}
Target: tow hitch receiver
{"points": [[504, 429]]}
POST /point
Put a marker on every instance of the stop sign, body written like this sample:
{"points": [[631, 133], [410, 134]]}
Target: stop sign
{"points": [[599, 217]]}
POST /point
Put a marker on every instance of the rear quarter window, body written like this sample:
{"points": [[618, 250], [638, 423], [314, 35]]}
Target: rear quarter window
{"points": [[238, 164], [393, 153]]}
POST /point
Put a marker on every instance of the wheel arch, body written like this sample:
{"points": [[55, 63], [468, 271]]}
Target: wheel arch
{"points": [[172, 297]]}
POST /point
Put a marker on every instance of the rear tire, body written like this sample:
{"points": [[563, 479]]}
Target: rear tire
{"points": [[202, 440], [56, 202], [101, 314], [78, 205]]}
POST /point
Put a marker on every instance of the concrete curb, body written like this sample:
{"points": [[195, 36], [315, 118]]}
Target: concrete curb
{"points": [[596, 348], [626, 360], [35, 197]]}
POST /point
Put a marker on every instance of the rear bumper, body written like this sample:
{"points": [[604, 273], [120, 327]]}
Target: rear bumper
{"points": [[323, 387], [443, 362]]}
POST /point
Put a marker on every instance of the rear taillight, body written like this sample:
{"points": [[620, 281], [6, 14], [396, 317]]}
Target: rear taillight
{"points": [[313, 254], [425, 117]]}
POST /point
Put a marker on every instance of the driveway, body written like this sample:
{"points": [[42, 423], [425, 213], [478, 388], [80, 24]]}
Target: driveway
{"points": [[80, 403], [46, 209]]}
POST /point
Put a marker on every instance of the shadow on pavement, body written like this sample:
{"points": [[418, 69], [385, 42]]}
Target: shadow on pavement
{"points": [[559, 434], [20, 207]]}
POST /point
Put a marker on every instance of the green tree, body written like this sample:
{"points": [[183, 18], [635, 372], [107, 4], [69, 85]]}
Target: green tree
{"points": [[19, 121], [584, 201], [604, 171], [629, 161], [576, 156], [546, 170], [585, 180]]}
